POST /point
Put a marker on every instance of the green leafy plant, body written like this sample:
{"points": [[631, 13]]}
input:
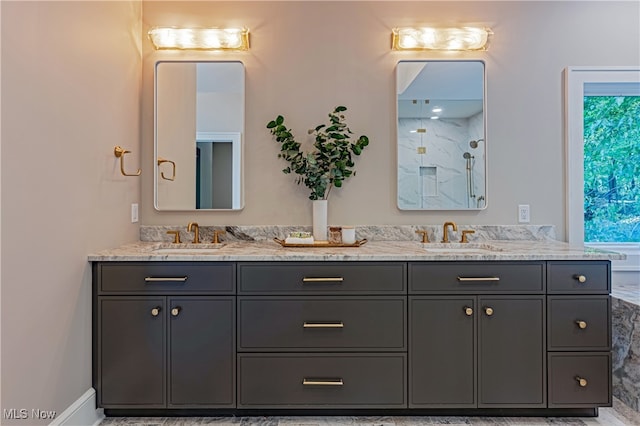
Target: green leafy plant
{"points": [[330, 163]]}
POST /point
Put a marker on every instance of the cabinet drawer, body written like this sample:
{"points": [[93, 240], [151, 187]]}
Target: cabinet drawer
{"points": [[322, 381], [565, 372], [322, 278], [322, 323], [477, 277], [165, 277], [585, 277], [579, 323]]}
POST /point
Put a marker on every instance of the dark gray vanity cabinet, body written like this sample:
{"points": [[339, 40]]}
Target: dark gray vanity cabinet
{"points": [[322, 335], [476, 335], [579, 336], [164, 338]]}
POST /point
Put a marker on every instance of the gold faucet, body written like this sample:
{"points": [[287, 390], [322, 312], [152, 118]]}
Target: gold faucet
{"points": [[425, 237], [176, 236], [466, 232], [196, 230], [215, 235], [445, 235]]}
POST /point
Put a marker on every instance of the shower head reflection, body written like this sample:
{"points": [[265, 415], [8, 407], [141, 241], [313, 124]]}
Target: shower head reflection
{"points": [[474, 144]]}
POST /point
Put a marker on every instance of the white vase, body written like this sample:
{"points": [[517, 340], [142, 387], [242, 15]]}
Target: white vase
{"points": [[320, 220]]}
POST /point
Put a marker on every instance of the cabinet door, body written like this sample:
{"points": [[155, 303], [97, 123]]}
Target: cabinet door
{"points": [[511, 361], [131, 352], [442, 369], [201, 352]]}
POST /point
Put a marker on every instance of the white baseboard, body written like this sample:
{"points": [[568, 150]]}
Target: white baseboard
{"points": [[82, 412]]}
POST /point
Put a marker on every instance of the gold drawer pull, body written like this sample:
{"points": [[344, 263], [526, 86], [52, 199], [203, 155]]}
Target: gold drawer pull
{"points": [[580, 278], [467, 279], [338, 324], [322, 382], [323, 280], [156, 311], [176, 311], [582, 324], [582, 382], [468, 311], [488, 311], [165, 279]]}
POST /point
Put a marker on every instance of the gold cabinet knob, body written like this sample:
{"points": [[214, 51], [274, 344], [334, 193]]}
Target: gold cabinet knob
{"points": [[488, 311], [155, 311], [468, 311], [581, 381], [582, 324], [580, 278], [176, 311]]}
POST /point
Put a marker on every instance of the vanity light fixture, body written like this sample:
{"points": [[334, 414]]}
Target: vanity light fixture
{"points": [[200, 38], [435, 38]]}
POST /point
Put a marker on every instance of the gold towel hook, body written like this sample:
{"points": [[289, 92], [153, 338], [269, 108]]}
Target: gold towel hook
{"points": [[119, 152], [173, 163]]}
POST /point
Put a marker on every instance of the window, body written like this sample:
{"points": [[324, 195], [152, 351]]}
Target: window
{"points": [[603, 159], [612, 163]]}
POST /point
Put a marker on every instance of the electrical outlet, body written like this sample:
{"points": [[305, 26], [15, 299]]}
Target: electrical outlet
{"points": [[134, 212], [524, 214]]}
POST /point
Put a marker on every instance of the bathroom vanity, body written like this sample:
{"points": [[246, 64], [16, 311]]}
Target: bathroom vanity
{"points": [[253, 327]]}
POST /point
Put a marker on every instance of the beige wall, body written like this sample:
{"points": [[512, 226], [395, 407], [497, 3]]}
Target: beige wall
{"points": [[307, 57], [71, 76], [71, 90]]}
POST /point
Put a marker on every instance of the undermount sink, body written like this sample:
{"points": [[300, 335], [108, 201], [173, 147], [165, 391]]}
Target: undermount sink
{"points": [[478, 248], [187, 248]]}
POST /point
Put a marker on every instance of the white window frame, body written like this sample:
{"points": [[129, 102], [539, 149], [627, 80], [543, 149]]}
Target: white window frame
{"points": [[575, 79]]}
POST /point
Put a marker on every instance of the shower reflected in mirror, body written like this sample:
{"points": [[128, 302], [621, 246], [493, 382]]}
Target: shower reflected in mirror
{"points": [[474, 144], [441, 135]]}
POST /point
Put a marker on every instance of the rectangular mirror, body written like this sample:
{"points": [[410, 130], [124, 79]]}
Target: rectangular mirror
{"points": [[199, 126], [441, 135]]}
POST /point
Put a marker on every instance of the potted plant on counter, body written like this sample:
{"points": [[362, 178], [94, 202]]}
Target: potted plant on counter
{"points": [[326, 167]]}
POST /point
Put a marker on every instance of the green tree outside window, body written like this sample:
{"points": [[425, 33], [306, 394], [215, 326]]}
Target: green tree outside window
{"points": [[612, 168]]}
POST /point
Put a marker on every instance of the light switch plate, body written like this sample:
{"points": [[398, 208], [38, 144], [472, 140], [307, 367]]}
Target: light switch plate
{"points": [[134, 212], [524, 213]]}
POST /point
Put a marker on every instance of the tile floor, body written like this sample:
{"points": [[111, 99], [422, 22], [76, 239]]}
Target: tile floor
{"points": [[618, 415]]}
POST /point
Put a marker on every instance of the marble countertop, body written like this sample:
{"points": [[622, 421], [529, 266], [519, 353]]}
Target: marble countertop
{"points": [[267, 250]]}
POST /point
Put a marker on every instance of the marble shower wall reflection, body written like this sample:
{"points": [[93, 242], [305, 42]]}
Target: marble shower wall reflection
{"points": [[435, 177]]}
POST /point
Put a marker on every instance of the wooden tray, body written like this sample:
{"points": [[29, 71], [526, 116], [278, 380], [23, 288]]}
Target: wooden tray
{"points": [[316, 244]]}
